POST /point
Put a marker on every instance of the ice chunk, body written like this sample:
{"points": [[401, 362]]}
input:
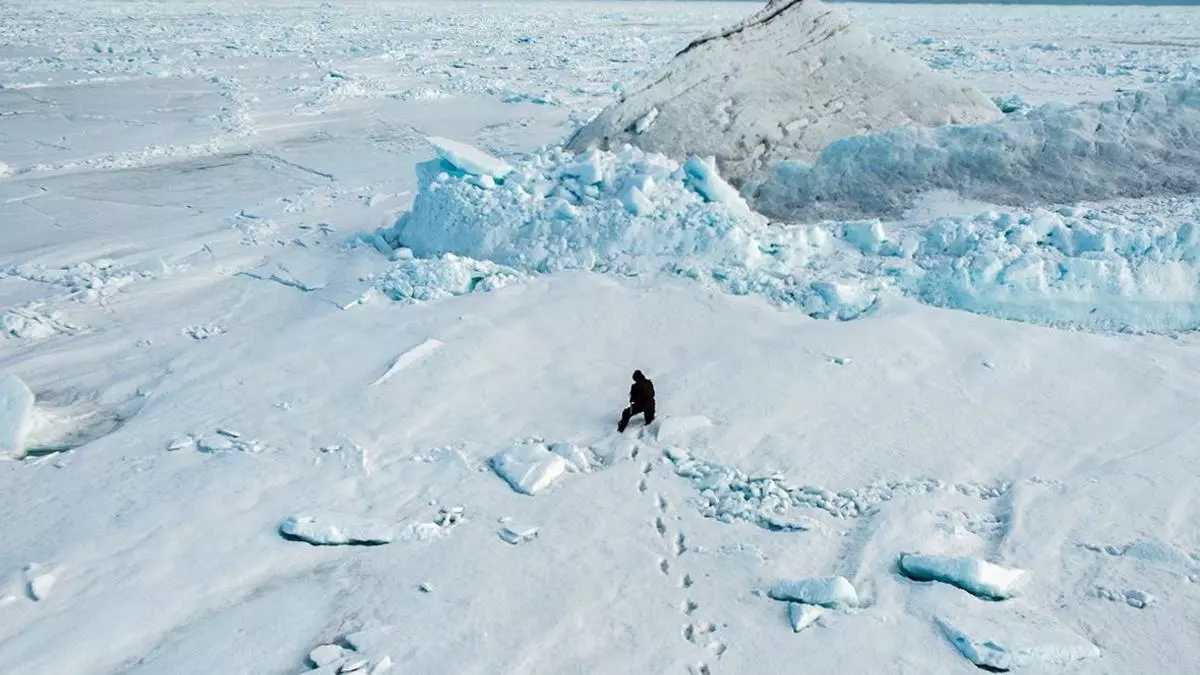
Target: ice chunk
{"points": [[977, 577], [645, 121], [801, 616], [703, 177], [409, 358], [41, 583], [529, 467], [384, 665], [356, 666], [1010, 640], [578, 458], [16, 411], [867, 235], [587, 169], [326, 655], [337, 529], [516, 534], [5, 170], [833, 591], [468, 159]]}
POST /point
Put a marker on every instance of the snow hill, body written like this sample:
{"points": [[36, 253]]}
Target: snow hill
{"points": [[315, 337]]}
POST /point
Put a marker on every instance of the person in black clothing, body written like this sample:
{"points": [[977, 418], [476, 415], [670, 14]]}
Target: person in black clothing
{"points": [[641, 401]]}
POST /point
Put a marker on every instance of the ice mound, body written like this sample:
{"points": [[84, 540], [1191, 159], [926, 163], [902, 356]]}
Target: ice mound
{"points": [[780, 85], [801, 616], [1139, 144], [16, 415], [832, 592], [977, 577], [635, 213], [532, 466], [337, 529]]}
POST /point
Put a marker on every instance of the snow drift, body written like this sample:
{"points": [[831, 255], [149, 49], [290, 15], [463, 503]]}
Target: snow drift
{"points": [[780, 85], [1140, 144]]}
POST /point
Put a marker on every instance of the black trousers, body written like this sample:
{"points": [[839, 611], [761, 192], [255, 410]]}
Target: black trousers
{"points": [[632, 410]]}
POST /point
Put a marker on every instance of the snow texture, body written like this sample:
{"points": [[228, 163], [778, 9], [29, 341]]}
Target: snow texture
{"points": [[529, 467], [780, 85], [337, 529], [1142, 143], [834, 592], [16, 411], [977, 577]]}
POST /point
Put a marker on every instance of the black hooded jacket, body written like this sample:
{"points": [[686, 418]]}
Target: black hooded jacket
{"points": [[641, 394]]}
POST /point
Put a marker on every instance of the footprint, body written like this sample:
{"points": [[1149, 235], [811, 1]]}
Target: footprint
{"points": [[686, 581], [660, 526], [718, 648], [647, 468], [642, 485], [693, 632], [664, 566], [680, 544], [689, 607], [661, 502], [633, 454], [699, 669]]}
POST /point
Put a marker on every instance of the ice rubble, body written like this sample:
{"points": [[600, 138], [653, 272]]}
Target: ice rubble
{"points": [[632, 212], [801, 616], [16, 415], [780, 85], [977, 577], [1139, 144], [531, 466]]}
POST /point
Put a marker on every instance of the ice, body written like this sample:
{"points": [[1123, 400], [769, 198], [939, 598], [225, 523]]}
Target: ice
{"points": [[781, 84], [578, 459], [409, 358], [703, 177], [977, 577], [327, 654], [1140, 144], [337, 529], [468, 159], [834, 592], [1014, 640], [516, 534], [423, 280], [801, 616], [16, 411], [41, 582], [529, 467]]}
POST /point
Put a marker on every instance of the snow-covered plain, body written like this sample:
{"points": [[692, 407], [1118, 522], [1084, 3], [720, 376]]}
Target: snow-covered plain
{"points": [[198, 209]]}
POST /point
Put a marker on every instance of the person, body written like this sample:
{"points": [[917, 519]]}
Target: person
{"points": [[641, 401]]}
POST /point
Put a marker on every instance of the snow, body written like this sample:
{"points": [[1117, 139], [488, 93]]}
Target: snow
{"points": [[40, 582], [529, 467], [1014, 383], [469, 160], [16, 409], [327, 654], [337, 529], [835, 591], [779, 85], [978, 577]]}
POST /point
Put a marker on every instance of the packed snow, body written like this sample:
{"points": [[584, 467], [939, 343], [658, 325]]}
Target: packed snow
{"points": [[978, 577], [224, 223]]}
